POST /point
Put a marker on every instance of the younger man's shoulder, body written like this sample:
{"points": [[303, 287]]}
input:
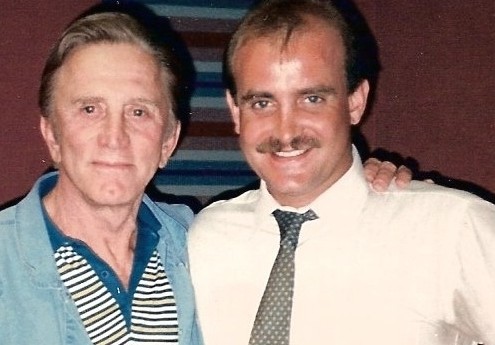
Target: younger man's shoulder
{"points": [[434, 193], [241, 203]]}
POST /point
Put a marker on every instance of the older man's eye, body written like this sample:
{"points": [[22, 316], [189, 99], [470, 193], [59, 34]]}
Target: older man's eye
{"points": [[138, 112], [89, 109]]}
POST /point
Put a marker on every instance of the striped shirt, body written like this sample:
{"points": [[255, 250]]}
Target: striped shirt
{"points": [[144, 313]]}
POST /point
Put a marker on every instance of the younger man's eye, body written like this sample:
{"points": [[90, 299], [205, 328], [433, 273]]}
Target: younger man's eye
{"points": [[260, 104], [314, 99]]}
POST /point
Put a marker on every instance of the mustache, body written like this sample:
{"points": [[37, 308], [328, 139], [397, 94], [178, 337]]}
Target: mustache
{"points": [[272, 145]]}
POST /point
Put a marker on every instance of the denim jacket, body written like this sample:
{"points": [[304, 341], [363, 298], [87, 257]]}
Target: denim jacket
{"points": [[35, 307]]}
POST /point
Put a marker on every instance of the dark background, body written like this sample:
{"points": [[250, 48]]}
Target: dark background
{"points": [[433, 107]]}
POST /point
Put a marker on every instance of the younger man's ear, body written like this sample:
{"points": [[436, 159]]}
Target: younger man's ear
{"points": [[357, 102], [234, 110]]}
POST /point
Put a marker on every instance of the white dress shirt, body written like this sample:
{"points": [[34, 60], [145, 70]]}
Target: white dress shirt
{"points": [[414, 266]]}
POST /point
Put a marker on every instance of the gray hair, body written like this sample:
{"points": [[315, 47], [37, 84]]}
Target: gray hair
{"points": [[107, 27]]}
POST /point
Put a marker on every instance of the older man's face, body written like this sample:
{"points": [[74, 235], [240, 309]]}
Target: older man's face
{"points": [[293, 112], [107, 128]]}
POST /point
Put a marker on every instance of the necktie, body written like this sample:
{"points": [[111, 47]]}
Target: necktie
{"points": [[272, 323]]}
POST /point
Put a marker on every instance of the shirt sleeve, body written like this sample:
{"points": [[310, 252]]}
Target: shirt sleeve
{"points": [[474, 297]]}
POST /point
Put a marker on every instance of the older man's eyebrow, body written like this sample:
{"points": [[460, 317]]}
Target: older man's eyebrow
{"points": [[97, 99], [89, 99], [146, 101]]}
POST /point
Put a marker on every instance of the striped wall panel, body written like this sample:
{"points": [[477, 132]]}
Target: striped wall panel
{"points": [[204, 173], [208, 161]]}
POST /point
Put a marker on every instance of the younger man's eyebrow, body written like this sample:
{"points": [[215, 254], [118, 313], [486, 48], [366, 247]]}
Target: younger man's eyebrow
{"points": [[250, 95], [318, 90]]}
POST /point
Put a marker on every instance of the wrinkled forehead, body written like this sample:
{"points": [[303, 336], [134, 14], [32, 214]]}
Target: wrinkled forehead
{"points": [[93, 55]]}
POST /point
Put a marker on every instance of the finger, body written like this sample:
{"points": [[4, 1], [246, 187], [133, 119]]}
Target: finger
{"points": [[403, 177], [371, 167], [384, 176]]}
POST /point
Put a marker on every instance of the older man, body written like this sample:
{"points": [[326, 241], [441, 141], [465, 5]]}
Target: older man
{"points": [[314, 256], [86, 257]]}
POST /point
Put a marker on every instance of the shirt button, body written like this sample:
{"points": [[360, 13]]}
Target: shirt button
{"points": [[104, 274]]}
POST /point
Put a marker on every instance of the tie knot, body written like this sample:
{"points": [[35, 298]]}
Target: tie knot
{"points": [[290, 223]]}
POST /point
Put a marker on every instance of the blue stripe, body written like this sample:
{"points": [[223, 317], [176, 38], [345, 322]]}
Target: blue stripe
{"points": [[201, 180], [199, 191], [233, 167], [209, 102], [211, 173], [209, 155], [203, 3], [197, 12], [208, 66], [212, 85], [209, 92], [207, 173], [209, 76]]}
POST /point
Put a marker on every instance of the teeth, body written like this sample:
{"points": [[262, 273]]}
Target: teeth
{"points": [[289, 153]]}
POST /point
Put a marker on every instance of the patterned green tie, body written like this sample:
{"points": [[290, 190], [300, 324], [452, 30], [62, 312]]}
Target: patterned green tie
{"points": [[272, 323]]}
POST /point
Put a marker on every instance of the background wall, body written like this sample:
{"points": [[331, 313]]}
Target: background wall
{"points": [[28, 28], [433, 108], [435, 100]]}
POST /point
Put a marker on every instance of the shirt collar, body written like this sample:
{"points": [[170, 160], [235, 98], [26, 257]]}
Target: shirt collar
{"points": [[343, 199], [147, 224]]}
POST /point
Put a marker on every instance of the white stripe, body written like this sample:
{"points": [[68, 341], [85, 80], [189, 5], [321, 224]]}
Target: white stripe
{"points": [[209, 102], [197, 12], [208, 66], [153, 308], [75, 274], [145, 291], [197, 190], [208, 155], [74, 278], [96, 306], [145, 318], [94, 326], [154, 339], [110, 331], [140, 296], [94, 300], [105, 324], [150, 283], [160, 317]]}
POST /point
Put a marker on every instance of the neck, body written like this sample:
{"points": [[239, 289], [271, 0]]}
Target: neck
{"points": [[110, 232]]}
